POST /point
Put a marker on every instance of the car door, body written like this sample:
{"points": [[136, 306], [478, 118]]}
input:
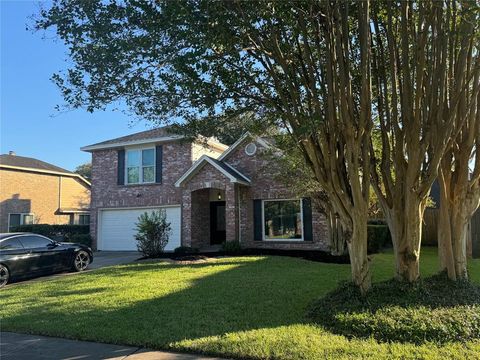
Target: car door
{"points": [[14, 256], [42, 251]]}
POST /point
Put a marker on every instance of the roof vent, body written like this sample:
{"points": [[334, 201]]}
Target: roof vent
{"points": [[12, 153]]}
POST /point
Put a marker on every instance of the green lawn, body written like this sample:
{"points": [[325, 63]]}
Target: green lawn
{"points": [[244, 307]]}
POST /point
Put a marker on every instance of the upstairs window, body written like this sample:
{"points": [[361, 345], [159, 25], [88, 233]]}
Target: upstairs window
{"points": [[140, 167]]}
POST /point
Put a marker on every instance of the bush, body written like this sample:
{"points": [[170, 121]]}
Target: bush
{"points": [[185, 250], [378, 237], [84, 239], [232, 247], [58, 232], [434, 310], [153, 233]]}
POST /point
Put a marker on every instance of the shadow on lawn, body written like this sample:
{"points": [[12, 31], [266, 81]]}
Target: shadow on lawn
{"points": [[435, 309], [253, 294]]}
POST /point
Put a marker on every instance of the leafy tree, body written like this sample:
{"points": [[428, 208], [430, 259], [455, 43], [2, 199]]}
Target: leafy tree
{"points": [[424, 58], [153, 233], [459, 176], [303, 67], [84, 170]]}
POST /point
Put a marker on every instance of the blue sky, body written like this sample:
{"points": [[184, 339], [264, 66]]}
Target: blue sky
{"points": [[29, 124]]}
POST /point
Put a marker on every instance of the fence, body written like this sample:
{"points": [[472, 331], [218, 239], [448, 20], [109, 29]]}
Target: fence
{"points": [[429, 237]]}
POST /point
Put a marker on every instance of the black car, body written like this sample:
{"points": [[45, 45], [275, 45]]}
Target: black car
{"points": [[26, 254]]}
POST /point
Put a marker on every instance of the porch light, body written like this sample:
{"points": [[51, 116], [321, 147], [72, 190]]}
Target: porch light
{"points": [[219, 195]]}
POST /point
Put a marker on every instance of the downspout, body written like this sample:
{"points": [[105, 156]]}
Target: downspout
{"points": [[59, 192], [239, 216]]}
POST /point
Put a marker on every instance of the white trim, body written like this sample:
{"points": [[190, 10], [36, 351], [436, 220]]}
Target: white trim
{"points": [[21, 219], [264, 238], [140, 166], [131, 143], [161, 139], [254, 149], [99, 217], [199, 165], [234, 146], [46, 172]]}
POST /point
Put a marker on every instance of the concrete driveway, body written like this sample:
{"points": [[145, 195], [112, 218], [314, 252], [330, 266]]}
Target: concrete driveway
{"points": [[101, 259], [110, 258], [15, 346]]}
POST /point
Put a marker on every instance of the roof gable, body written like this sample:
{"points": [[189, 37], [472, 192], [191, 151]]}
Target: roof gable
{"points": [[232, 174], [240, 141]]}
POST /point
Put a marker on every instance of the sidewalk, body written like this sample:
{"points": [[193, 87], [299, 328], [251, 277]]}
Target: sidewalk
{"points": [[15, 346]]}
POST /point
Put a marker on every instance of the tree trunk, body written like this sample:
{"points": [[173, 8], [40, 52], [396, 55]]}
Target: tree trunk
{"points": [[337, 237], [406, 229], [357, 249], [459, 236], [444, 227], [452, 243]]}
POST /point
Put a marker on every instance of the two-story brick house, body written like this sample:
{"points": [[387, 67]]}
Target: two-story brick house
{"points": [[211, 193], [33, 191]]}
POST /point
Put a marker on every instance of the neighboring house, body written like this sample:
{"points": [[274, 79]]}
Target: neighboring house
{"points": [[211, 193], [33, 191]]}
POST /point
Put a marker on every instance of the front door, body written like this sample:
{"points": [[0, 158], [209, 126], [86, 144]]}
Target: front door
{"points": [[217, 222]]}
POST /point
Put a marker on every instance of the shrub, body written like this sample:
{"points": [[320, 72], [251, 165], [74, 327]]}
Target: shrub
{"points": [[232, 247], [434, 310], [84, 239], [153, 233], [378, 237], [60, 232], [185, 250]]}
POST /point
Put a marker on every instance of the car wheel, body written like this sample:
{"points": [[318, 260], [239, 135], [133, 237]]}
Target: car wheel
{"points": [[4, 275], [81, 261]]}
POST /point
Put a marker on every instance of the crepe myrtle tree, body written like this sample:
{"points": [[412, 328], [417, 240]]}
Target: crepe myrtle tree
{"points": [[459, 177], [423, 67], [301, 66]]}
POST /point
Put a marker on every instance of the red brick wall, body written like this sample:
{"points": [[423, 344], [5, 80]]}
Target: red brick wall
{"points": [[207, 178], [201, 218], [177, 158], [259, 168]]}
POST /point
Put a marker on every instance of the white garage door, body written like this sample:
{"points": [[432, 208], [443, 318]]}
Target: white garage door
{"points": [[116, 228]]}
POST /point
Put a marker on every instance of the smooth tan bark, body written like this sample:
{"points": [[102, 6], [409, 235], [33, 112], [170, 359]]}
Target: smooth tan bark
{"points": [[359, 262], [418, 48]]}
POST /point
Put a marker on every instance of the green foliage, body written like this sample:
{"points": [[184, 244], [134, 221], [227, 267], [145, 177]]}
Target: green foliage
{"points": [[66, 232], [232, 247], [84, 239], [378, 237], [153, 233], [185, 250], [84, 170], [239, 307], [433, 310]]}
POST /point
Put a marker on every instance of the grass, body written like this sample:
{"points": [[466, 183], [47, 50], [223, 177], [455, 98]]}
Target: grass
{"points": [[242, 307]]}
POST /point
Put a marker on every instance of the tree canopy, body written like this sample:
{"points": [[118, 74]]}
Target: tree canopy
{"points": [[303, 68]]}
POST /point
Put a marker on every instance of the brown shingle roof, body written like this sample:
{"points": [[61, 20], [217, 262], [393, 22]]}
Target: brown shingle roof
{"points": [[26, 162], [148, 134]]}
